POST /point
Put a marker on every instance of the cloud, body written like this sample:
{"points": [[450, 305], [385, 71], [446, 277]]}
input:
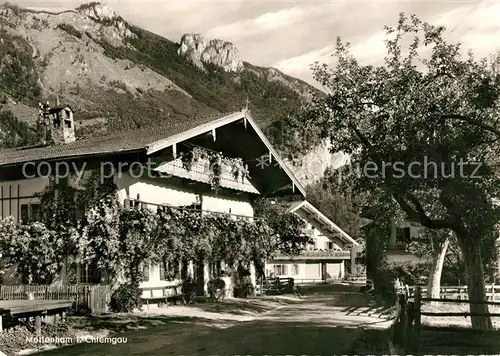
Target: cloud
{"points": [[263, 23], [300, 66], [282, 19]]}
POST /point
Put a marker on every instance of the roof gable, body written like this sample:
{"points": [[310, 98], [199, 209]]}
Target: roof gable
{"points": [[311, 210], [129, 141], [152, 140]]}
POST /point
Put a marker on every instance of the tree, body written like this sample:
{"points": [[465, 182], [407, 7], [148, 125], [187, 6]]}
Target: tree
{"points": [[338, 203], [287, 226], [423, 127], [434, 243]]}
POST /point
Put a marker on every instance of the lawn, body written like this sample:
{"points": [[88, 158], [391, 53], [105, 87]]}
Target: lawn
{"points": [[455, 321]]}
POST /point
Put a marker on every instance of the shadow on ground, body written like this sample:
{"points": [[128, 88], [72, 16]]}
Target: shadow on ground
{"points": [[458, 341], [245, 306], [254, 338], [322, 323]]}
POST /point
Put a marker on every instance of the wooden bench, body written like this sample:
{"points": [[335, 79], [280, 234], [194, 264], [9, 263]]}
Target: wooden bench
{"points": [[165, 298], [279, 285]]}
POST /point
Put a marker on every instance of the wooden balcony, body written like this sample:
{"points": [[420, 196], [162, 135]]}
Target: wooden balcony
{"points": [[200, 172], [317, 255]]}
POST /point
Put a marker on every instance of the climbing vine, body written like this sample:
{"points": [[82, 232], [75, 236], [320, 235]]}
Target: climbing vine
{"points": [[118, 241]]}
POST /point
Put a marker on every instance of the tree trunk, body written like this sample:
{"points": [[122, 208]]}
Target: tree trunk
{"points": [[475, 283], [434, 284]]}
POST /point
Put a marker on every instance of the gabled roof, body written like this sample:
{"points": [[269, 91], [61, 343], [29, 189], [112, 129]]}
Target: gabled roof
{"points": [[311, 210], [148, 140], [130, 141]]}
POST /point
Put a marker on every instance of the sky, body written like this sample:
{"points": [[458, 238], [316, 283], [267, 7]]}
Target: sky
{"points": [[291, 35]]}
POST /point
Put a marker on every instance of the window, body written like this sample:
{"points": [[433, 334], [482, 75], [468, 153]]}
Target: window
{"points": [[35, 212], [67, 120], [145, 273], [280, 270], [170, 270], [295, 270], [89, 274], [163, 269], [25, 217], [403, 234], [30, 212], [56, 120], [330, 245]]}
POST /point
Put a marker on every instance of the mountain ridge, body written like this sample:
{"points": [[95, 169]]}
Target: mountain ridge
{"points": [[118, 76]]}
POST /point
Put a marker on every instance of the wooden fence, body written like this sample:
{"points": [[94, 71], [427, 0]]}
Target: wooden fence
{"points": [[408, 324], [460, 292], [93, 298]]}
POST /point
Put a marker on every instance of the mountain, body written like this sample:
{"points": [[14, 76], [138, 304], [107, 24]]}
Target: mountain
{"points": [[117, 76]]}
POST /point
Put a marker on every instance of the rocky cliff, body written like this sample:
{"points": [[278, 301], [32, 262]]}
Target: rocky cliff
{"points": [[217, 52], [311, 167]]}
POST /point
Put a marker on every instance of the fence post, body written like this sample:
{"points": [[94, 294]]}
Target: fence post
{"points": [[403, 320], [417, 309]]}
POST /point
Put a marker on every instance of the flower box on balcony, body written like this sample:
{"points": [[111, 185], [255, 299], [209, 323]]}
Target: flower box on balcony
{"points": [[217, 171]]}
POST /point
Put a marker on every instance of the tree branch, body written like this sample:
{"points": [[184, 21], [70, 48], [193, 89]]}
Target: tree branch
{"points": [[418, 214], [472, 122]]}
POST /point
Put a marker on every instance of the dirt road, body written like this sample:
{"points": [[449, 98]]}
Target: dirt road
{"points": [[328, 320]]}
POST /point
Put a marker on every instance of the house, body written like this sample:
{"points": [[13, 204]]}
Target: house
{"points": [[152, 166], [325, 259]]}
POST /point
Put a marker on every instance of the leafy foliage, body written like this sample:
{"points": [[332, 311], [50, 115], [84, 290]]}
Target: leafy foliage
{"points": [[15, 133], [18, 75], [288, 226], [34, 247], [136, 239], [120, 240], [339, 204], [126, 298]]}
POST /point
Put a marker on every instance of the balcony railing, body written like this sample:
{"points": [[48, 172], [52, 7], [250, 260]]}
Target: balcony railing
{"points": [[325, 254], [129, 202], [200, 171]]}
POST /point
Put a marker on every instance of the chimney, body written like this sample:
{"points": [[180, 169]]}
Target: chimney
{"points": [[57, 123]]}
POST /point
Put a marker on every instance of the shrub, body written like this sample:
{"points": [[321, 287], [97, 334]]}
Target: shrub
{"points": [[15, 339], [188, 289], [126, 298], [243, 289], [216, 288]]}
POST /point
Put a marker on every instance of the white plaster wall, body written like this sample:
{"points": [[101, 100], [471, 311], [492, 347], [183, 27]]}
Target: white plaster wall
{"points": [[25, 187], [313, 270], [156, 192], [334, 270], [221, 204], [160, 192]]}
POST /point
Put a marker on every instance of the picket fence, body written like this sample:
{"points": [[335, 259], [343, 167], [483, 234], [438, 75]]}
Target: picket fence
{"points": [[87, 298]]}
